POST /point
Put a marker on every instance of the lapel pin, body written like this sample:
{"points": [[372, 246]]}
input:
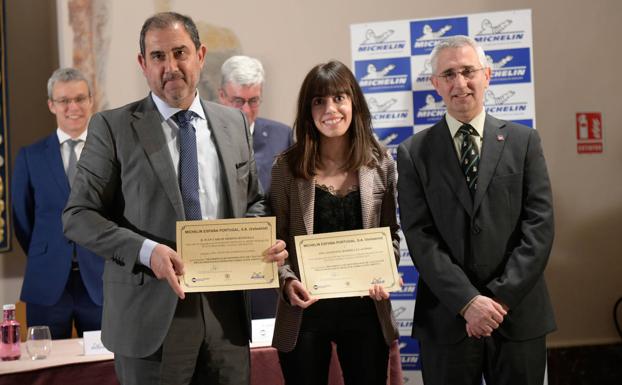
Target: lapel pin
{"points": [[500, 138]]}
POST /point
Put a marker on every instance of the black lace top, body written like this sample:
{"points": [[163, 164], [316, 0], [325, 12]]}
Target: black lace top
{"points": [[336, 213]]}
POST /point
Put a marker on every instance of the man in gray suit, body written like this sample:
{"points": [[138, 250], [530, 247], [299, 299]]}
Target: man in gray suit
{"points": [[165, 158], [476, 211]]}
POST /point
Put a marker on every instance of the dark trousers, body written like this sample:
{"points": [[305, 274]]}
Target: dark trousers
{"points": [[263, 303], [207, 343], [352, 324], [499, 360], [74, 305]]}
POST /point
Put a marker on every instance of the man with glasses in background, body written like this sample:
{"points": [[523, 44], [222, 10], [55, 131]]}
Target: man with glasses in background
{"points": [[63, 281], [477, 214], [241, 87]]}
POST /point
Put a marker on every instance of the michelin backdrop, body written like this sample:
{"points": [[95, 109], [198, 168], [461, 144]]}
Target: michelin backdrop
{"points": [[391, 64]]}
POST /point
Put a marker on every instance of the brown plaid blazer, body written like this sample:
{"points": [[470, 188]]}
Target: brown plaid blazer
{"points": [[292, 202]]}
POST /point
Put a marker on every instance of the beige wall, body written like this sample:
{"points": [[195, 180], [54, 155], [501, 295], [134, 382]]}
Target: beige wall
{"points": [[575, 71]]}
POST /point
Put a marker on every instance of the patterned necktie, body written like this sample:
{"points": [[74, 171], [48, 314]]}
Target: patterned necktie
{"points": [[469, 156], [188, 165], [73, 160]]}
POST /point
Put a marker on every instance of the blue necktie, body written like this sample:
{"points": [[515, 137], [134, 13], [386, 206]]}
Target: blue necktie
{"points": [[469, 156], [188, 165]]}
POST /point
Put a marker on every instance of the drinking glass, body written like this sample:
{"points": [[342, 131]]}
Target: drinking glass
{"points": [[38, 342]]}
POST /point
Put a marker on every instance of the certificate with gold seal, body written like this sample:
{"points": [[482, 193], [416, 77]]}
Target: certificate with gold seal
{"points": [[347, 263], [227, 254]]}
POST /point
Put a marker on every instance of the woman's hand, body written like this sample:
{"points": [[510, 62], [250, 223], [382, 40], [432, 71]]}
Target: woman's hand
{"points": [[298, 294], [378, 293]]}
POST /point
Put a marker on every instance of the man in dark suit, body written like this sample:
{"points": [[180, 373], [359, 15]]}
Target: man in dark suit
{"points": [[165, 158], [63, 281], [241, 87], [476, 211]]}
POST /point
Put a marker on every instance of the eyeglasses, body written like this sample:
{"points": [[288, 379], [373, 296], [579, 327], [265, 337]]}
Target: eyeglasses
{"points": [[79, 100], [451, 75], [240, 102]]}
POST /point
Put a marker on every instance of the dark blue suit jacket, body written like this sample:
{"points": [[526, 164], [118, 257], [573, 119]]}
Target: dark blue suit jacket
{"points": [[270, 138], [39, 193]]}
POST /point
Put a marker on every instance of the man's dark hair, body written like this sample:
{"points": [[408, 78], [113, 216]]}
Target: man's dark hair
{"points": [[166, 19]]}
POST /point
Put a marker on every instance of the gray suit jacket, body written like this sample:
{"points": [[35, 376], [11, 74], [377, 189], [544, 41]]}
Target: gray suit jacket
{"points": [[496, 244], [126, 190], [292, 202]]}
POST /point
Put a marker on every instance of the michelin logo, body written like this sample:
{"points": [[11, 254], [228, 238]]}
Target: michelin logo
{"points": [[387, 140], [404, 320], [509, 66], [432, 104], [407, 292], [430, 34], [498, 104], [495, 65], [381, 112], [375, 42], [427, 34], [375, 107], [392, 136], [425, 76], [384, 75], [429, 108], [409, 353], [429, 37], [372, 38], [492, 32], [410, 277], [373, 73]]}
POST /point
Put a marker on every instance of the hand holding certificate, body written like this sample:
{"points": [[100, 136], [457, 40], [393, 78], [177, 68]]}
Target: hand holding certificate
{"points": [[347, 263], [227, 254]]}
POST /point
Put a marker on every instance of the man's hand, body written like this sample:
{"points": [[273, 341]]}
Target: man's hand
{"points": [[298, 294], [276, 253], [166, 264], [483, 316]]}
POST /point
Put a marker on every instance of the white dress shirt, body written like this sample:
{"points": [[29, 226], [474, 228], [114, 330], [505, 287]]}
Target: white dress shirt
{"points": [[63, 138], [477, 123], [211, 185]]}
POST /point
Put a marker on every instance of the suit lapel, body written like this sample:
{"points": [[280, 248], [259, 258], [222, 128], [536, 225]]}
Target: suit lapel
{"points": [[306, 189], [366, 188], [495, 136], [54, 161], [148, 127], [258, 136], [222, 141], [446, 162]]}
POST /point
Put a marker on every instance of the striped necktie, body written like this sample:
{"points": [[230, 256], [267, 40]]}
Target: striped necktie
{"points": [[469, 156], [188, 165]]}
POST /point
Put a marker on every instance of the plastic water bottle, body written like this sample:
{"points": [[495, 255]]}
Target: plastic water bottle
{"points": [[9, 335]]}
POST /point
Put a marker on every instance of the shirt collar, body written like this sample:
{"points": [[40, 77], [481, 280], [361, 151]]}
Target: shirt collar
{"points": [[167, 111], [63, 136], [477, 123]]}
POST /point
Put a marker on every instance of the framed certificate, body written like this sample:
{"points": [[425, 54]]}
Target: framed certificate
{"points": [[347, 263], [227, 254]]}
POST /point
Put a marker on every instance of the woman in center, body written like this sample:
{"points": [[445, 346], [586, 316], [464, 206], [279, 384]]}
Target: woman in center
{"points": [[336, 177]]}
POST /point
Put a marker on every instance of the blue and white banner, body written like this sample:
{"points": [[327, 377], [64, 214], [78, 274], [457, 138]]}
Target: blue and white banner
{"points": [[391, 63]]}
